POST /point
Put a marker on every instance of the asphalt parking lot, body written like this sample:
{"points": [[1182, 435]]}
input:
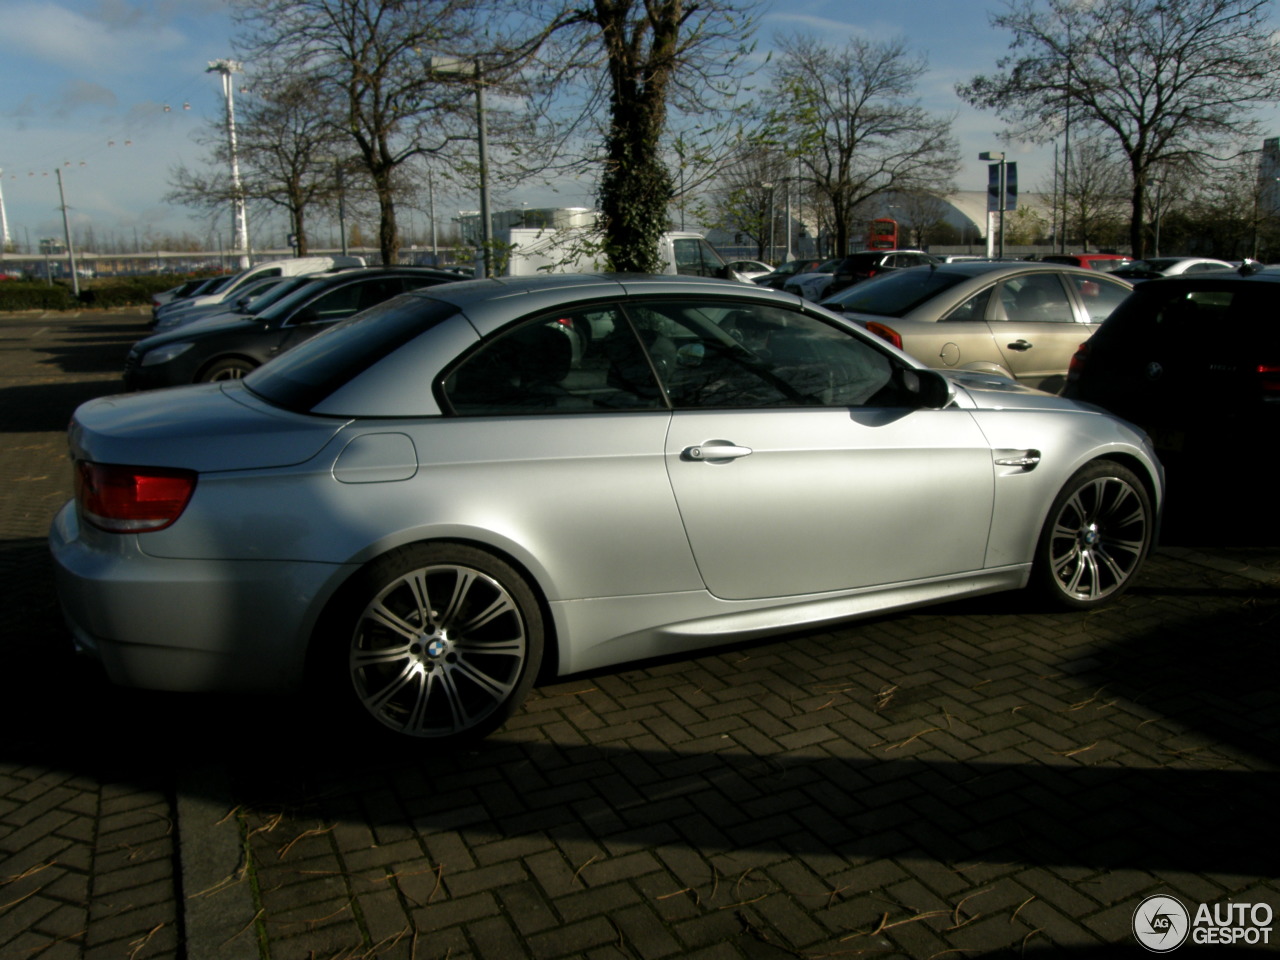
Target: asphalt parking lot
{"points": [[979, 779]]}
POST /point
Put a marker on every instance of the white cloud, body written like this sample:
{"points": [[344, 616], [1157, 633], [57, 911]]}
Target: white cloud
{"points": [[115, 41]]}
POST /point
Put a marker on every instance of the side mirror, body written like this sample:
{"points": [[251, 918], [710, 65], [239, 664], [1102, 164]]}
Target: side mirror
{"points": [[933, 390], [691, 355]]}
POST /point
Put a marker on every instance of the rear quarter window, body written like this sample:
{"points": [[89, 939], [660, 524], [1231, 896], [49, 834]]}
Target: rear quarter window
{"points": [[307, 374]]}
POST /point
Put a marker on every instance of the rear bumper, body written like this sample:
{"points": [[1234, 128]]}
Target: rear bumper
{"points": [[186, 625]]}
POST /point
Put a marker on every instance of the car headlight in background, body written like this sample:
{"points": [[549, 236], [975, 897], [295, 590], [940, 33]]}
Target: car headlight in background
{"points": [[164, 354]]}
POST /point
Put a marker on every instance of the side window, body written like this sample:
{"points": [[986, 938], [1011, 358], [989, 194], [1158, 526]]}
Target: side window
{"points": [[688, 257], [695, 258], [1098, 296], [1036, 298], [567, 362], [756, 355], [975, 308]]}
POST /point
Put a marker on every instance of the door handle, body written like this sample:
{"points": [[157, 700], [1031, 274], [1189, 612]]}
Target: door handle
{"points": [[1020, 345], [713, 452]]}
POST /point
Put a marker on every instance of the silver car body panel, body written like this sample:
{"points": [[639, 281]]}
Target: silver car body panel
{"points": [[203, 428], [645, 531]]}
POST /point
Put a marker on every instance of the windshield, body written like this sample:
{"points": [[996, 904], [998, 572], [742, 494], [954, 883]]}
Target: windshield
{"points": [[276, 293], [895, 294], [292, 297]]}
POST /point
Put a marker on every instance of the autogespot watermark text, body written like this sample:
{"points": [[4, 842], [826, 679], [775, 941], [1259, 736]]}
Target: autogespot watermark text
{"points": [[1161, 923]]}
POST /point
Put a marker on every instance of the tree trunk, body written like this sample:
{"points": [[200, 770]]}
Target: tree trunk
{"points": [[388, 235], [1137, 235]]}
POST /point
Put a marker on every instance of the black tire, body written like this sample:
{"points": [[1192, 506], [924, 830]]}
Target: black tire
{"points": [[1095, 538], [230, 368], [435, 642]]}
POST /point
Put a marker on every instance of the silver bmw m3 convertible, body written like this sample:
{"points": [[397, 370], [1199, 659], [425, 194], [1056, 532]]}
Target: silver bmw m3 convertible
{"points": [[422, 510]]}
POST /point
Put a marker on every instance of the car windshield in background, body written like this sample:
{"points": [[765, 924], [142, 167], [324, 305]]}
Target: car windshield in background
{"points": [[895, 294], [273, 295], [308, 373]]}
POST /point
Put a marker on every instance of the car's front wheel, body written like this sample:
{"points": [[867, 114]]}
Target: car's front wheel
{"points": [[1096, 537], [437, 642], [230, 368]]}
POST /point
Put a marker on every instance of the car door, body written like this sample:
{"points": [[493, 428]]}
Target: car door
{"points": [[1037, 328], [584, 428], [801, 462]]}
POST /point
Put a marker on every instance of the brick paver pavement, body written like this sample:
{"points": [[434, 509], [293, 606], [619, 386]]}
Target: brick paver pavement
{"points": [[984, 778]]}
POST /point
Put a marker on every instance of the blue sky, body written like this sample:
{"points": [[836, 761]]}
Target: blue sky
{"points": [[112, 92]]}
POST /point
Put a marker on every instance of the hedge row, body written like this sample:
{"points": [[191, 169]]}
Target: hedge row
{"points": [[30, 295], [100, 293]]}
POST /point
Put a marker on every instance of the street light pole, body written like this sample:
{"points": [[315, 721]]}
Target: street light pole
{"points": [[769, 186], [66, 230], [486, 218], [463, 66], [4, 220], [240, 234], [997, 157]]}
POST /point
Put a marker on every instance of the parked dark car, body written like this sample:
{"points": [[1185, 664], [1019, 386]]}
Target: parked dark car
{"points": [[1194, 360], [782, 271], [228, 347], [836, 275]]}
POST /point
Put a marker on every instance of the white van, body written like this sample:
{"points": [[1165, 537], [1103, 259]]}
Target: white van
{"points": [[531, 251]]}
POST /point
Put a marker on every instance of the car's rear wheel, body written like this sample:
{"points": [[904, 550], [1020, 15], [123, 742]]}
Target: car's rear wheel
{"points": [[231, 368], [438, 642], [1097, 535]]}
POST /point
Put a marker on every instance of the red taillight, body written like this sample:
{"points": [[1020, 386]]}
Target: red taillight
{"points": [[1269, 376], [132, 499], [1076, 366], [885, 333]]}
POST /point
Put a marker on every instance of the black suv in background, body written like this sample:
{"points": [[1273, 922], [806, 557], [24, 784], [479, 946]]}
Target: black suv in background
{"points": [[1195, 361], [228, 347]]}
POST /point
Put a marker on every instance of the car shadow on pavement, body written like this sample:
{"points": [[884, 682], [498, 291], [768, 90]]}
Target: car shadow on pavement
{"points": [[41, 408], [1180, 801]]}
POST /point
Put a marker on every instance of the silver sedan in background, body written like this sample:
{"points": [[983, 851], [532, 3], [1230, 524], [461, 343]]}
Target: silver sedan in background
{"points": [[428, 506]]}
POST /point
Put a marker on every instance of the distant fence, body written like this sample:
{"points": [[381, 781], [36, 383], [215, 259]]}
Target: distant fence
{"points": [[89, 264]]}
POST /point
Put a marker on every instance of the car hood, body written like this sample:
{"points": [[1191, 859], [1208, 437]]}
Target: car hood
{"points": [[207, 428], [990, 391], [200, 327]]}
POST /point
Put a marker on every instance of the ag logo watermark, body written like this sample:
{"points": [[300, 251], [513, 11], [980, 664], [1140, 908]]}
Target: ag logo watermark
{"points": [[1161, 923]]}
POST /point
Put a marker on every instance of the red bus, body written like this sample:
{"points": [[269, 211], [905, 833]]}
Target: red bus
{"points": [[882, 234]]}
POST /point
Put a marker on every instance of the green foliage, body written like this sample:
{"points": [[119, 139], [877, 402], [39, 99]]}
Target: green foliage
{"points": [[35, 295], [101, 293], [634, 195], [124, 291]]}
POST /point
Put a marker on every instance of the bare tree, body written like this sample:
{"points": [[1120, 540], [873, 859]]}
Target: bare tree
{"points": [[747, 197], [1092, 204], [286, 150], [856, 130], [919, 212], [1174, 83], [365, 58]]}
